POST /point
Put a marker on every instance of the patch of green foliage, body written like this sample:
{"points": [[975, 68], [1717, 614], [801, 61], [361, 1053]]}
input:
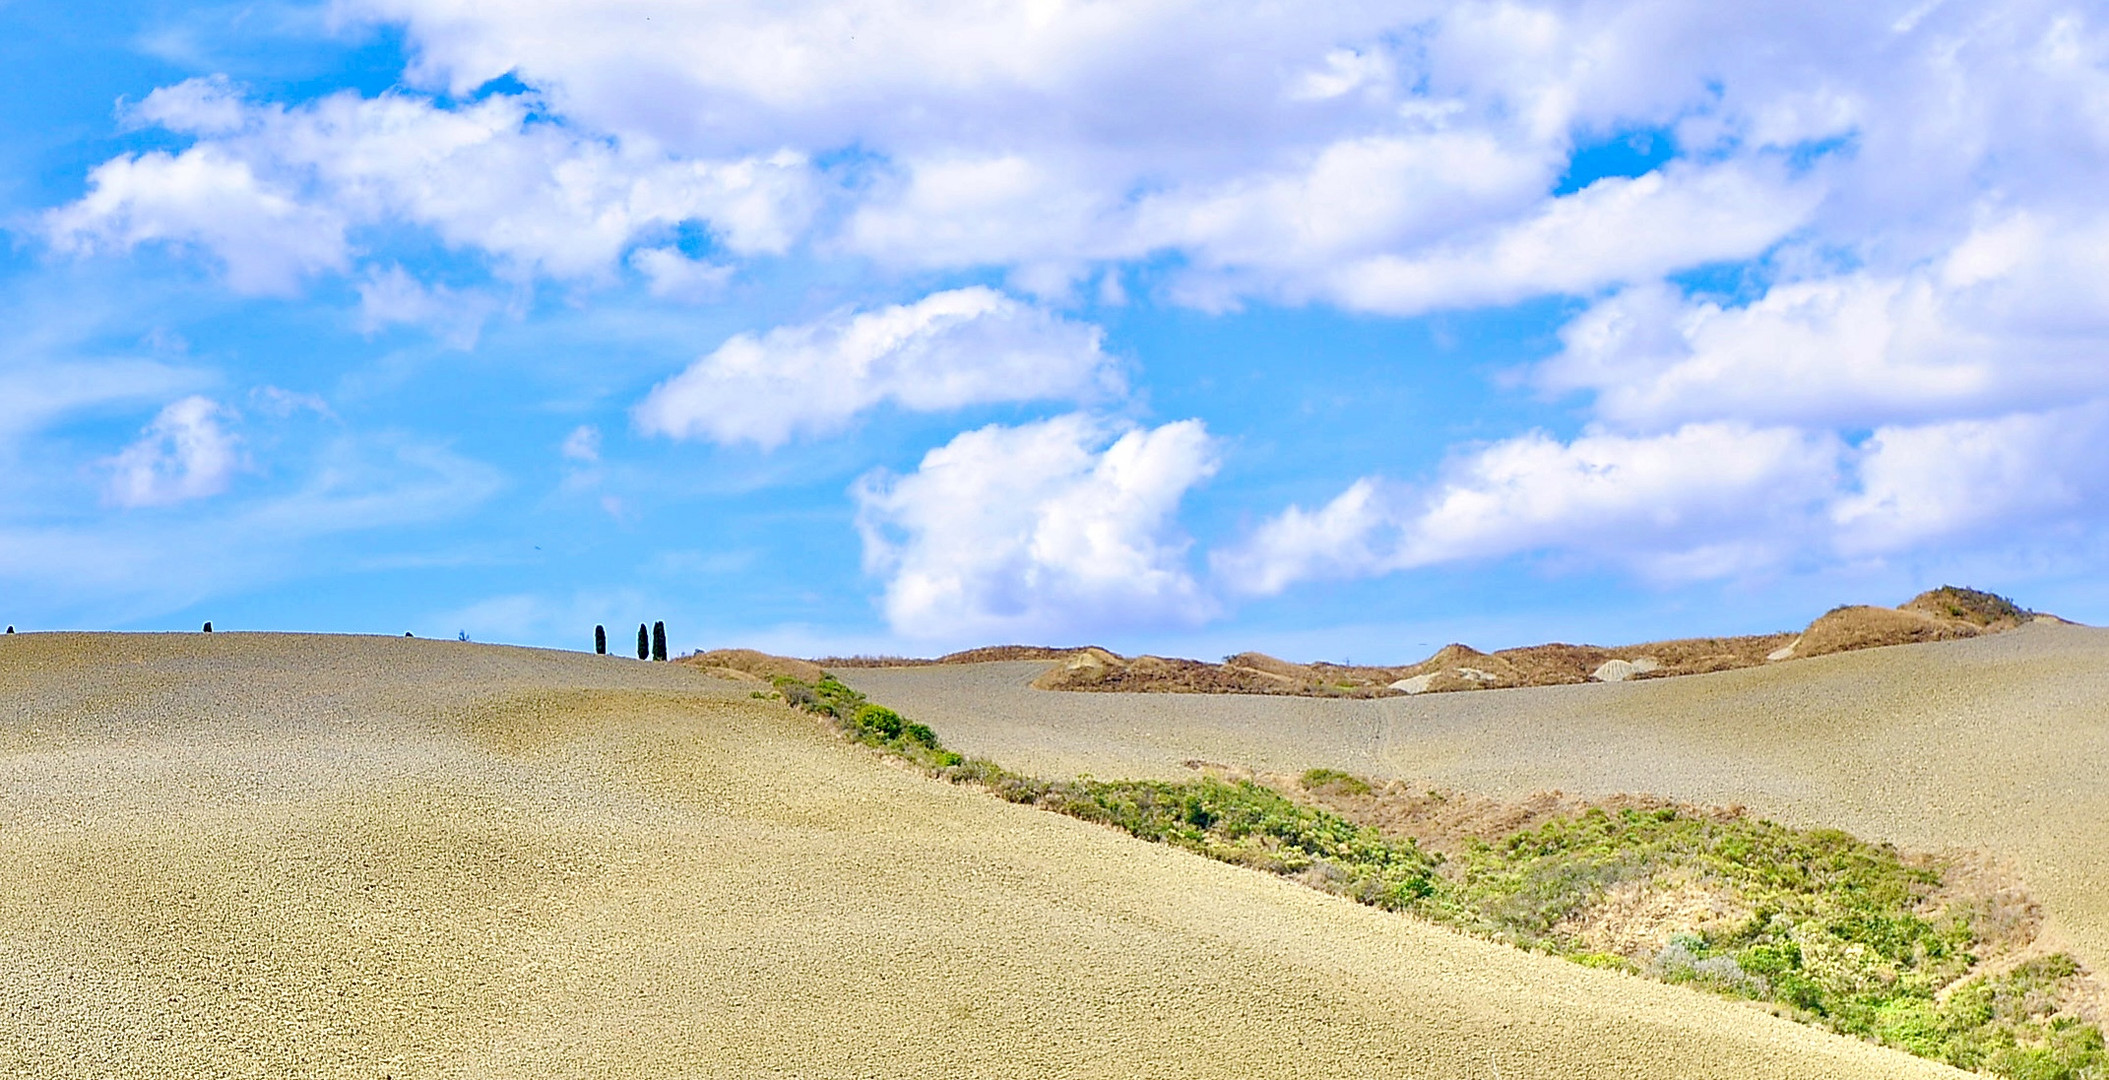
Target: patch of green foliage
{"points": [[864, 722], [1333, 782], [1840, 932], [1238, 822], [1837, 930]]}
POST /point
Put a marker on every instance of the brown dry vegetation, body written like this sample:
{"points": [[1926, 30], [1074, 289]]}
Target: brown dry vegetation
{"points": [[749, 665], [987, 654], [272, 855], [1942, 614]]}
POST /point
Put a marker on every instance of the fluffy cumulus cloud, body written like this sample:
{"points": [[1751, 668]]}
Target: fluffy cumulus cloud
{"points": [[1060, 527], [2025, 474], [1702, 501], [948, 350], [276, 193], [1389, 156], [1358, 153], [186, 453]]}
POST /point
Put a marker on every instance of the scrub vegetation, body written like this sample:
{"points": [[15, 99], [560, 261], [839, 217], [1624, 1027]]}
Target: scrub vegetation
{"points": [[1831, 930]]}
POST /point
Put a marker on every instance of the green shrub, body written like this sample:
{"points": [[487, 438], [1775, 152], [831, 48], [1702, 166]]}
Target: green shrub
{"points": [[872, 725], [1333, 782]]}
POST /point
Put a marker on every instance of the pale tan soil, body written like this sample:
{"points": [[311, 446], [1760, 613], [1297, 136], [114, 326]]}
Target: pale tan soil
{"points": [[272, 856], [1998, 743]]}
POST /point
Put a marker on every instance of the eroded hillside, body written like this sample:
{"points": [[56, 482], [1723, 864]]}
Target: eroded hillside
{"points": [[1943, 614]]}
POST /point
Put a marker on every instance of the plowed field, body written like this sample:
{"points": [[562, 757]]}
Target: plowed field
{"points": [[272, 856]]}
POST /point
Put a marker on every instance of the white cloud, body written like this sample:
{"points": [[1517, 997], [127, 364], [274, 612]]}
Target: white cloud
{"points": [[2006, 479], [583, 444], [1355, 535], [1703, 501], [1041, 137], [674, 276], [184, 454], [36, 394], [1626, 499], [273, 191], [1062, 527], [392, 297], [946, 351], [1387, 156], [2014, 317], [267, 239], [1615, 230], [280, 403]]}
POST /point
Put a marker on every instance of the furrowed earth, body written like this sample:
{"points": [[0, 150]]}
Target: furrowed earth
{"points": [[255, 855]]}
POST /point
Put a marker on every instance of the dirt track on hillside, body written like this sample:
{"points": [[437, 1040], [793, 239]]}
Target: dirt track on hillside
{"points": [[2000, 743], [269, 856]]}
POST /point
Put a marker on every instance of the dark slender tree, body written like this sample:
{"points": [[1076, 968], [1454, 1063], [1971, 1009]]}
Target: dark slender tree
{"points": [[208, 627], [600, 640], [10, 628], [644, 643], [658, 641]]}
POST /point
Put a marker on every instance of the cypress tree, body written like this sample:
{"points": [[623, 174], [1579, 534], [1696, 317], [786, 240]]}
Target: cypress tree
{"points": [[10, 628], [600, 640], [208, 627], [658, 641], [644, 643]]}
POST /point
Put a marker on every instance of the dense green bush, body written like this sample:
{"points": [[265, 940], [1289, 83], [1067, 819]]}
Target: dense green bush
{"points": [[1333, 782], [872, 725]]}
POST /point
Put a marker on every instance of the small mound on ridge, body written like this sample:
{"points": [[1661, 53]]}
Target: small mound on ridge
{"points": [[752, 665]]}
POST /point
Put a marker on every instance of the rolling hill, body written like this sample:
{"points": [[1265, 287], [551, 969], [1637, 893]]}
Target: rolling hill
{"points": [[269, 855]]}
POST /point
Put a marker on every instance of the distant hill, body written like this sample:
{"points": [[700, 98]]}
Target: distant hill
{"points": [[1940, 614]]}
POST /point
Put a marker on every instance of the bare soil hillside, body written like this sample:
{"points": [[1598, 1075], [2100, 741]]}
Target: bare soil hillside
{"points": [[267, 855], [1997, 743]]}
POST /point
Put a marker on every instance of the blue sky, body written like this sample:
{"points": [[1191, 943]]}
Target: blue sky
{"points": [[902, 327]]}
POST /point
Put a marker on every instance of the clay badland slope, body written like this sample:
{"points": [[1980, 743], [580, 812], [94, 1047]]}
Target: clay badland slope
{"points": [[1942, 614], [268, 855], [1997, 742]]}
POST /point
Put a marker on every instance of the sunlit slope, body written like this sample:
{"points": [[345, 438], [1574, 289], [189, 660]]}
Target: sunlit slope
{"points": [[1997, 742], [268, 856]]}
